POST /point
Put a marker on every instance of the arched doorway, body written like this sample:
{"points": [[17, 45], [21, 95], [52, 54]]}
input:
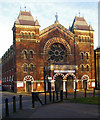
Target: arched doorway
{"points": [[85, 79], [70, 83], [84, 84], [28, 80], [59, 83]]}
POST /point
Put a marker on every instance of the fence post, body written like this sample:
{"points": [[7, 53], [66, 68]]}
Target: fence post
{"points": [[94, 92], [6, 108], [53, 96], [20, 102], [50, 95], [33, 100], [14, 104], [85, 92], [61, 95], [75, 94], [45, 98], [66, 93], [56, 95]]}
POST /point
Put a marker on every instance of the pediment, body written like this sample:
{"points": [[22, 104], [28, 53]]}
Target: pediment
{"points": [[56, 27]]}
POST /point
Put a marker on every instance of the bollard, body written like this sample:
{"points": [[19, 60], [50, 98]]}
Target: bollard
{"points": [[6, 108], [20, 102], [56, 95], [61, 95], [66, 93], [45, 98], [53, 96], [33, 100], [94, 92], [50, 95], [14, 104], [75, 94], [85, 92]]}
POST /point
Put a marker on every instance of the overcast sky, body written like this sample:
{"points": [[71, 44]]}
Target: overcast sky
{"points": [[45, 11]]}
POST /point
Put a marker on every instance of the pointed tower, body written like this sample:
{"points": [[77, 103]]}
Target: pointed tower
{"points": [[25, 28], [25, 41], [37, 23], [84, 50]]}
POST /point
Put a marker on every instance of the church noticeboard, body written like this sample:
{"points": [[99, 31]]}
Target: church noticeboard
{"points": [[93, 84], [19, 84]]}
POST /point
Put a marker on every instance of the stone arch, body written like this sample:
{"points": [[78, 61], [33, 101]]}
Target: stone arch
{"points": [[85, 79], [31, 67], [85, 76], [25, 67], [56, 40], [28, 78], [24, 50], [24, 53], [31, 53], [70, 81], [57, 74], [68, 75]]}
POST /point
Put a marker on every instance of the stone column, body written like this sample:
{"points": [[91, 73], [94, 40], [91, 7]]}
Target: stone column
{"points": [[46, 86], [32, 85], [64, 85], [87, 84], [74, 84], [25, 85]]}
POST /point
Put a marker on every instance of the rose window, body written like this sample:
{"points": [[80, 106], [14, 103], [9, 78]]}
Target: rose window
{"points": [[57, 52]]}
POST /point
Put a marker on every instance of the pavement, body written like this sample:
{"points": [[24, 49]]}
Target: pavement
{"points": [[63, 109], [59, 110]]}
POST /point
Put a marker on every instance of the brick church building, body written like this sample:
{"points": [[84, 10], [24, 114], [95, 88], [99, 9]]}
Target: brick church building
{"points": [[54, 58]]}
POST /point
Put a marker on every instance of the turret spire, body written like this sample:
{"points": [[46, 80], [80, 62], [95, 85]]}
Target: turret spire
{"points": [[56, 16]]}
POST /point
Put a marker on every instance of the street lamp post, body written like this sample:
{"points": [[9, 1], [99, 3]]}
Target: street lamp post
{"points": [[44, 79]]}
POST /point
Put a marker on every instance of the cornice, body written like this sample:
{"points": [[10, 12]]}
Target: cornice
{"points": [[86, 31], [27, 26]]}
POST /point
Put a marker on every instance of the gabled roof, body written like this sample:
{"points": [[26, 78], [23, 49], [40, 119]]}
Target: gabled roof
{"points": [[56, 25], [25, 18], [37, 23], [79, 23]]}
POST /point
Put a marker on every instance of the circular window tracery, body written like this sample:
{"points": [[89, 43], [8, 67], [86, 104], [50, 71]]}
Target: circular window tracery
{"points": [[57, 52]]}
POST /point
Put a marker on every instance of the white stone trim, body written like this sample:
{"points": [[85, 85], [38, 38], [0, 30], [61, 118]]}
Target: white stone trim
{"points": [[64, 71]]}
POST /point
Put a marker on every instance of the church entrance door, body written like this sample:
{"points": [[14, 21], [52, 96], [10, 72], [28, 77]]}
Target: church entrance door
{"points": [[28, 86], [59, 83], [85, 84], [70, 83]]}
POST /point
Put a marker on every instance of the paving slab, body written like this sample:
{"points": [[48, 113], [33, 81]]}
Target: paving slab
{"points": [[60, 110]]}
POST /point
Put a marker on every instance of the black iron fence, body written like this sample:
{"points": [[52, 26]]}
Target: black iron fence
{"points": [[46, 98]]}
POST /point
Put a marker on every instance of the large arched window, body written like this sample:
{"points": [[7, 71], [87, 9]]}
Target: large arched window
{"points": [[29, 36], [31, 67], [22, 35], [85, 39], [79, 39], [25, 54], [25, 67], [32, 35], [57, 52], [31, 54], [82, 39], [82, 68], [88, 39], [25, 35], [87, 57], [87, 67], [82, 55]]}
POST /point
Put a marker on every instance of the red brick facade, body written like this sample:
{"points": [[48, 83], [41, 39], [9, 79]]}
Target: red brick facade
{"points": [[61, 58]]}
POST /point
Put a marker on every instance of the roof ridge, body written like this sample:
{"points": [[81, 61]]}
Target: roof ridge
{"points": [[54, 25]]}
